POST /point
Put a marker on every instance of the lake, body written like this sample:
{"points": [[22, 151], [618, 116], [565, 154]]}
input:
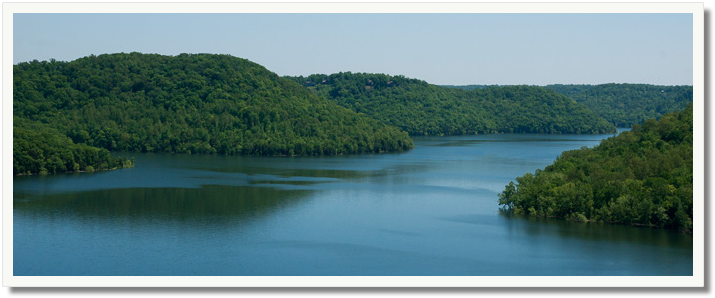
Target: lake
{"points": [[430, 211]]}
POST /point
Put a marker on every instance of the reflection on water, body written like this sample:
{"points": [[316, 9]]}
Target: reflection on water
{"points": [[429, 211], [211, 201]]}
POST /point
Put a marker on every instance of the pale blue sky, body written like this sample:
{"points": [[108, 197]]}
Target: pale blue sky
{"points": [[458, 49]]}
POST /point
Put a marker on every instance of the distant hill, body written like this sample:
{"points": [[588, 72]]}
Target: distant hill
{"points": [[469, 87], [190, 103], [642, 177], [626, 104], [425, 109]]}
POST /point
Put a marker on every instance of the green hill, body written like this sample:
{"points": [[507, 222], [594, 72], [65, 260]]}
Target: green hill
{"points": [[641, 177], [190, 103], [39, 148], [425, 109], [628, 104]]}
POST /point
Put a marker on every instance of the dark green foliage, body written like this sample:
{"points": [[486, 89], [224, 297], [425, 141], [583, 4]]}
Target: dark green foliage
{"points": [[191, 103], [38, 148], [641, 177], [424, 109], [628, 104]]}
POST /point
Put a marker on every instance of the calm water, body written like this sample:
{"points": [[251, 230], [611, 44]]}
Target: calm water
{"points": [[430, 211]]}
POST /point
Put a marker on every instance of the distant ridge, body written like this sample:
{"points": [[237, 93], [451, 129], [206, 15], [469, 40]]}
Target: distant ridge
{"points": [[425, 109], [621, 104], [628, 104]]}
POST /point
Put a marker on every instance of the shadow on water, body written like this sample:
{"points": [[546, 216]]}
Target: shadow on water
{"points": [[538, 246], [184, 204], [180, 188], [598, 232]]}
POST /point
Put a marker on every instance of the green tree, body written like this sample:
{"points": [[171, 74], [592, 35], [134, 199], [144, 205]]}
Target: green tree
{"points": [[190, 103], [642, 177], [424, 109]]}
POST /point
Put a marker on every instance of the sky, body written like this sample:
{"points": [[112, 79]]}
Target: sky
{"points": [[443, 49]]}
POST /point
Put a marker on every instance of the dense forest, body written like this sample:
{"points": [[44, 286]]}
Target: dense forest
{"points": [[628, 104], [642, 177], [190, 103], [39, 148], [621, 104], [425, 109]]}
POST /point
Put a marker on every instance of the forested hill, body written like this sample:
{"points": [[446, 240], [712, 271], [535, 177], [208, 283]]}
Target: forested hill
{"points": [[38, 148], [190, 103], [425, 109], [628, 104], [641, 177]]}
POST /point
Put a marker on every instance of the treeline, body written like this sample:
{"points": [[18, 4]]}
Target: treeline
{"points": [[469, 87], [38, 148], [425, 109], [191, 103], [642, 177], [626, 104]]}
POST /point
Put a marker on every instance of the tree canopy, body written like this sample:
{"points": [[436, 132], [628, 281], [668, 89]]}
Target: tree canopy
{"points": [[425, 109], [641, 177], [39, 148], [626, 104], [190, 103]]}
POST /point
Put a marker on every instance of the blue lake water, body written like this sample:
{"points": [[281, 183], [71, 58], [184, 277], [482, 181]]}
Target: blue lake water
{"points": [[430, 211]]}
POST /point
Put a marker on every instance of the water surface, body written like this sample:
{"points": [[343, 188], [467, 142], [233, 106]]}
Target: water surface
{"points": [[429, 211]]}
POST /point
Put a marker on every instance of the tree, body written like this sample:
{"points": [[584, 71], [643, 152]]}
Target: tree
{"points": [[642, 177]]}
